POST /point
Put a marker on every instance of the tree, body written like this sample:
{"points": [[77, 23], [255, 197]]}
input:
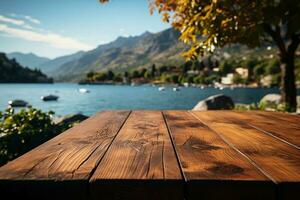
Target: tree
{"points": [[175, 78], [225, 68], [90, 75], [101, 76], [135, 74], [186, 67], [153, 70], [225, 22], [110, 75], [143, 72], [126, 74]]}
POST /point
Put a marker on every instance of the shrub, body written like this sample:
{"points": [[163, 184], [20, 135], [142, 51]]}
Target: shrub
{"points": [[22, 131]]}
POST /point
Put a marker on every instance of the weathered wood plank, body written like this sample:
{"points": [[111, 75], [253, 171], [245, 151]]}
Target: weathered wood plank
{"points": [[214, 170], [141, 162], [290, 119], [284, 128], [63, 165], [279, 160]]}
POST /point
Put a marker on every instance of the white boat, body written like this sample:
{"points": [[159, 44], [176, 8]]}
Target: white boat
{"points": [[49, 98], [175, 89], [17, 103], [161, 88], [83, 90]]}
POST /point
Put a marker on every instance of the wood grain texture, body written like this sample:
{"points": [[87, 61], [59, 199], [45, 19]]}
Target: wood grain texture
{"points": [[63, 165], [278, 160], [209, 164], [141, 162], [282, 126]]}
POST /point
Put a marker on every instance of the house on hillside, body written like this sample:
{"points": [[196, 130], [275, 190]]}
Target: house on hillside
{"points": [[228, 79], [243, 72]]}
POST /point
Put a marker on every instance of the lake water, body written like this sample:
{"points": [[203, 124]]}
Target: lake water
{"points": [[102, 97]]}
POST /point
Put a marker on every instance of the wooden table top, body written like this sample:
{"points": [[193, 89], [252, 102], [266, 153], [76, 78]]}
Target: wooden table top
{"points": [[164, 155]]}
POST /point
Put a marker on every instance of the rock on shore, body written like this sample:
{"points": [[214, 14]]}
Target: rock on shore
{"points": [[216, 102]]}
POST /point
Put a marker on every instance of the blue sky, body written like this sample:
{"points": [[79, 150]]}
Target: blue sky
{"points": [[53, 28]]}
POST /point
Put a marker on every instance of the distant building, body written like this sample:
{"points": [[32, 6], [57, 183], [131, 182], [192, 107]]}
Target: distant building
{"points": [[216, 69], [243, 72], [266, 80], [227, 80]]}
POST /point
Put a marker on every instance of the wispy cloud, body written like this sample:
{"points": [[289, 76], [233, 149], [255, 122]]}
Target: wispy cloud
{"points": [[11, 20], [53, 39], [31, 19]]}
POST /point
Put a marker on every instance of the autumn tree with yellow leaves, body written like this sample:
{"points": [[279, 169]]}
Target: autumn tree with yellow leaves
{"points": [[207, 24]]}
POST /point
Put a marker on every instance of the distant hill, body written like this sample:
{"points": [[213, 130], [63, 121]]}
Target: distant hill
{"points": [[129, 53], [28, 59], [12, 72], [51, 66], [125, 53]]}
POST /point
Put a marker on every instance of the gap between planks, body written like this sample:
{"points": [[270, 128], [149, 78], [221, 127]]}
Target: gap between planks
{"points": [[236, 149], [97, 164]]}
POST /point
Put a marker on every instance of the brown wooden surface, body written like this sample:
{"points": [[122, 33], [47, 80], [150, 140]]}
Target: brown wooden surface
{"points": [[72, 155], [207, 159], [277, 159], [164, 155], [142, 153]]}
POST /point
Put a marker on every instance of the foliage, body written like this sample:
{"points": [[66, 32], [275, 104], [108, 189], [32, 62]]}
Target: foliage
{"points": [[237, 79], [226, 68], [262, 106], [22, 131], [13, 72], [205, 25], [208, 24]]}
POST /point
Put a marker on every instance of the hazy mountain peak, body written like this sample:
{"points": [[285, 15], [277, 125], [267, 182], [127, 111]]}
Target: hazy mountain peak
{"points": [[30, 60]]}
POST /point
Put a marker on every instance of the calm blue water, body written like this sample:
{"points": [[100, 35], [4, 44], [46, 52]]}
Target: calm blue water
{"points": [[104, 97]]}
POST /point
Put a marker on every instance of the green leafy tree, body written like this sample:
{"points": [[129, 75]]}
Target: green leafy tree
{"points": [[225, 68], [90, 75], [206, 25], [101, 76], [175, 78], [110, 75], [237, 79], [153, 70], [135, 74], [162, 69], [273, 67], [225, 22], [259, 71], [250, 64]]}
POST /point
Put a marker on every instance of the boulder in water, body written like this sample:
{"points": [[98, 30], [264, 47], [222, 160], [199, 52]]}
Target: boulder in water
{"points": [[216, 102]]}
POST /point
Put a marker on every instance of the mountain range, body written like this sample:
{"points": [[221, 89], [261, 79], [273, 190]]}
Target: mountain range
{"points": [[122, 54], [28, 59], [125, 53]]}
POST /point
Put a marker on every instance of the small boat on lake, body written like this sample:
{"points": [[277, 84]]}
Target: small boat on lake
{"points": [[17, 103], [175, 89], [83, 90], [161, 88], [49, 98]]}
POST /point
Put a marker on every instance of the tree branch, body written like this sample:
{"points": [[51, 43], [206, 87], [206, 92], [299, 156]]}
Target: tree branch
{"points": [[276, 36]]}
